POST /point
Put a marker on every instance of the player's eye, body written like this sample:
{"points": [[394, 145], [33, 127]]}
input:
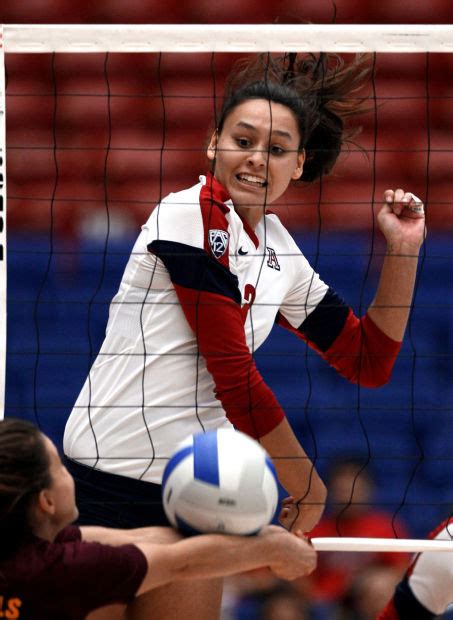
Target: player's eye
{"points": [[277, 150], [243, 143]]}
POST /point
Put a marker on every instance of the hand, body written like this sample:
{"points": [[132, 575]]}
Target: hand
{"points": [[292, 555], [402, 220], [296, 515]]}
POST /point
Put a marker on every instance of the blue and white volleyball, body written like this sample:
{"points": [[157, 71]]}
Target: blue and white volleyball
{"points": [[220, 481]]}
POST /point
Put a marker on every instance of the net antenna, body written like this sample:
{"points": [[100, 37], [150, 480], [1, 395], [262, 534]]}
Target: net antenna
{"points": [[2, 229], [42, 39]]}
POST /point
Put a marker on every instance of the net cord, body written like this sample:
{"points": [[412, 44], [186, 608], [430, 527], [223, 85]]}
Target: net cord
{"points": [[2, 231], [341, 38]]}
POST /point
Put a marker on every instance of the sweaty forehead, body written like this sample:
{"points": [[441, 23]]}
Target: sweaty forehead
{"points": [[262, 115]]}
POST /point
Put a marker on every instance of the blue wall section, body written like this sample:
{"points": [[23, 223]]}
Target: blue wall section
{"points": [[58, 296]]}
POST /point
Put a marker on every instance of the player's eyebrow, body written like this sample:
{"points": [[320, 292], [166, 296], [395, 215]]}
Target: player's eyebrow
{"points": [[279, 132]]}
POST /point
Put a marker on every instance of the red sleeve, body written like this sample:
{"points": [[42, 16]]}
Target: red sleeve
{"points": [[360, 351], [217, 322], [363, 353]]}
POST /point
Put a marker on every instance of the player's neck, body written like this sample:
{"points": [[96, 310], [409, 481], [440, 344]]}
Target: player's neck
{"points": [[45, 529], [252, 215]]}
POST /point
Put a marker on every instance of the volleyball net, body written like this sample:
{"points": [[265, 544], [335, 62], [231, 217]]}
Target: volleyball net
{"points": [[104, 121]]}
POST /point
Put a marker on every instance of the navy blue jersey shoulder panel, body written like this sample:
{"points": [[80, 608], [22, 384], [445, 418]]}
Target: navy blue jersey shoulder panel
{"points": [[193, 268], [407, 605], [325, 323]]}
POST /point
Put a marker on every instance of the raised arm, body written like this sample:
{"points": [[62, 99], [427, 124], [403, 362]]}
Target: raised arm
{"points": [[364, 349], [402, 222]]}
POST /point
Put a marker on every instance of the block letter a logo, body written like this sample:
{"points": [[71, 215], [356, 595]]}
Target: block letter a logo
{"points": [[272, 261]]}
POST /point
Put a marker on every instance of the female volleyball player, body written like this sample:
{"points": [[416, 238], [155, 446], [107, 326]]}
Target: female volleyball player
{"points": [[210, 274], [49, 569]]}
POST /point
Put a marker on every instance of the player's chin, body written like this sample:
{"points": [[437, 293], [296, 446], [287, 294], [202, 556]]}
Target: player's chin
{"points": [[75, 514], [246, 200]]}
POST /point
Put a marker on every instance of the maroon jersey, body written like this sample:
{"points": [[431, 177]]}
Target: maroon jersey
{"points": [[68, 578]]}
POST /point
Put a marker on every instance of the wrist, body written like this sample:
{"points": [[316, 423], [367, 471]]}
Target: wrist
{"points": [[269, 545], [403, 249]]}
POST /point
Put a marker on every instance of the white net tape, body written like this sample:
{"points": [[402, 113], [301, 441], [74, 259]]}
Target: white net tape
{"points": [[230, 38]]}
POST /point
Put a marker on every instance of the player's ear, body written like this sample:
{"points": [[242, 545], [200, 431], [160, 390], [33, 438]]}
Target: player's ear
{"points": [[300, 165], [212, 146], [46, 502]]}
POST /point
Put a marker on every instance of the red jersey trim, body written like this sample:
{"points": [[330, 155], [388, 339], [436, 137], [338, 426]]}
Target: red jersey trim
{"points": [[389, 613], [215, 225], [215, 193]]}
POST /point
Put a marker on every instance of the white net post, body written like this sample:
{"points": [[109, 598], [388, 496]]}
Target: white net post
{"points": [[2, 229]]}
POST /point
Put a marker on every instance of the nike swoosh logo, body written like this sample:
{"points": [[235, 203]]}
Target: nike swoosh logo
{"points": [[242, 252]]}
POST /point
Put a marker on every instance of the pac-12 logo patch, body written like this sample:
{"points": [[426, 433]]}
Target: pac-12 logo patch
{"points": [[218, 240]]}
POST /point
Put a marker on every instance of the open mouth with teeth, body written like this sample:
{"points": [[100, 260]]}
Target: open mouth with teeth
{"points": [[251, 180]]}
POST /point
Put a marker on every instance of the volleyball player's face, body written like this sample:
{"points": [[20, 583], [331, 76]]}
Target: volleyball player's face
{"points": [[62, 489], [257, 154]]}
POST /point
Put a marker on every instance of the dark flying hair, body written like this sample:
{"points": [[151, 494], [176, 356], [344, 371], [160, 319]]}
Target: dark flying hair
{"points": [[321, 90], [24, 472]]}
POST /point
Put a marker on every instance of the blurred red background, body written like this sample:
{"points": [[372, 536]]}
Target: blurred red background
{"points": [[88, 132]]}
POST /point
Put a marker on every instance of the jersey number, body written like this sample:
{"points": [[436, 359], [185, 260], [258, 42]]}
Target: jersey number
{"points": [[249, 298]]}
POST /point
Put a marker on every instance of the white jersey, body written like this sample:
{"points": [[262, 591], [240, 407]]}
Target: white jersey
{"points": [[149, 387]]}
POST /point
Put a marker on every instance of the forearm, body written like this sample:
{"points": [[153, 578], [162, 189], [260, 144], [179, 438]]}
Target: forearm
{"points": [[391, 305], [200, 557], [296, 472], [117, 537]]}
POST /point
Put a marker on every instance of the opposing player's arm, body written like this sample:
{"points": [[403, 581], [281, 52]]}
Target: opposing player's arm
{"points": [[298, 476]]}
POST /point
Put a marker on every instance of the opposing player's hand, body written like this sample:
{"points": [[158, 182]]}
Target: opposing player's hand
{"points": [[296, 515], [291, 554], [402, 220]]}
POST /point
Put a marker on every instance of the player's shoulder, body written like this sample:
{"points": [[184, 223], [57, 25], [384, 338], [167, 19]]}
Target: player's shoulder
{"points": [[182, 201], [177, 217]]}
